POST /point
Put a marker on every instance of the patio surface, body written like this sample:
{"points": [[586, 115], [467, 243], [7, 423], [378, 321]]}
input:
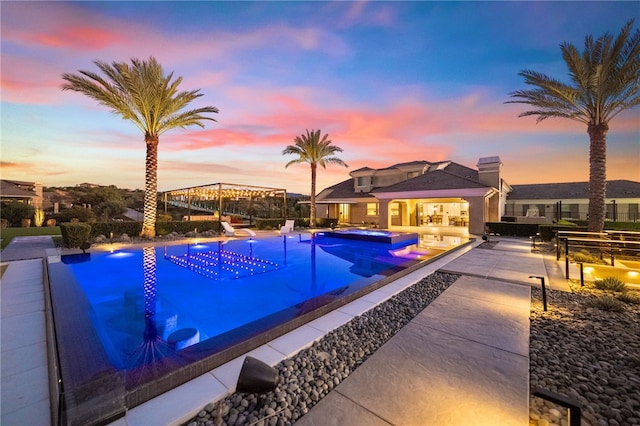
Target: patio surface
{"points": [[463, 360]]}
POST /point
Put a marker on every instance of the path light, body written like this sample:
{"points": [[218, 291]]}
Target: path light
{"points": [[544, 291], [256, 377], [581, 264]]}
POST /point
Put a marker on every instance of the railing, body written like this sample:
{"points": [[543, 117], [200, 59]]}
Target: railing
{"points": [[611, 243]]}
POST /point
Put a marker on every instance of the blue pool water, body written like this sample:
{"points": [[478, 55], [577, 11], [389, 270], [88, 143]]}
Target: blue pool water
{"points": [[207, 290], [136, 322]]}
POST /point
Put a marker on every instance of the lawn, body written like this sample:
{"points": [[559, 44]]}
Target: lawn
{"points": [[7, 234]]}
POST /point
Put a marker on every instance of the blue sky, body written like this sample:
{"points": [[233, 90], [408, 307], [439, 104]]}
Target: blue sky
{"points": [[388, 81]]}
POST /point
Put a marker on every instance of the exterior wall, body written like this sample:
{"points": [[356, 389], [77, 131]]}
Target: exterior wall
{"points": [[493, 206], [476, 215], [386, 180], [358, 213], [322, 211], [38, 202], [383, 214]]}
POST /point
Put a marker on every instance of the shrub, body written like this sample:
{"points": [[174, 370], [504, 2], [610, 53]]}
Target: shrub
{"points": [[118, 228], [276, 223], [75, 234], [629, 299], [611, 284], [76, 212], [161, 217], [548, 232], [606, 303], [15, 211], [585, 256], [517, 229]]}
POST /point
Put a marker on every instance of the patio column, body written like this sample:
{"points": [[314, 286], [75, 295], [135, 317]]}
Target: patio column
{"points": [[383, 214]]}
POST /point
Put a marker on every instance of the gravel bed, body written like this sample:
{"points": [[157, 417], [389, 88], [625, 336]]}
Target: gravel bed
{"points": [[312, 373], [586, 354]]}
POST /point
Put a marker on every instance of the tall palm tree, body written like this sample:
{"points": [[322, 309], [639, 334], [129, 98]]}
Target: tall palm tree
{"points": [[311, 149], [605, 81], [143, 94]]}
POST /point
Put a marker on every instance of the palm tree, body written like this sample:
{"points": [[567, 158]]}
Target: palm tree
{"points": [[605, 81], [311, 149], [141, 93]]}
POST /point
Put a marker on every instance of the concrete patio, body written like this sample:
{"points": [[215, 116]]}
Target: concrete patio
{"points": [[463, 360]]}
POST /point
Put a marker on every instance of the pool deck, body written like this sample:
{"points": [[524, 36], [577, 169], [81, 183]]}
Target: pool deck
{"points": [[463, 360]]}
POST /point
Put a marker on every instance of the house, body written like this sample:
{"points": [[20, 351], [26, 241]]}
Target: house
{"points": [[421, 194], [571, 200], [25, 192]]}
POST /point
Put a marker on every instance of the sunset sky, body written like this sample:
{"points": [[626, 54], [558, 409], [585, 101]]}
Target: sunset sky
{"points": [[389, 82]]}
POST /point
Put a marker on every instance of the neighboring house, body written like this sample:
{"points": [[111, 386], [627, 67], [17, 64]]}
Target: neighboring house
{"points": [[420, 194], [25, 192], [571, 200]]}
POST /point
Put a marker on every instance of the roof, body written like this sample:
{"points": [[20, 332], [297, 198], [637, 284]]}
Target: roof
{"points": [[572, 190], [11, 189], [435, 180], [342, 190], [441, 175]]}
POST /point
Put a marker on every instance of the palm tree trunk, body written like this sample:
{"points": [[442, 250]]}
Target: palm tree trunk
{"points": [[312, 213], [597, 176], [150, 188]]}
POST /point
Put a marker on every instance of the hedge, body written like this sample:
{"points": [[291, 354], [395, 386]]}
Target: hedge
{"points": [[299, 223], [162, 228], [515, 229], [74, 234]]}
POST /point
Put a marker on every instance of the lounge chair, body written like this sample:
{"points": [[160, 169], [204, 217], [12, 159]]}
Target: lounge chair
{"points": [[288, 227], [230, 231]]}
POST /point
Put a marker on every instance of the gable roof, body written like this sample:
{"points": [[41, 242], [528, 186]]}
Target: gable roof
{"points": [[572, 190]]}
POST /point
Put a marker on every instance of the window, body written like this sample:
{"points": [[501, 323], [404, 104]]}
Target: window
{"points": [[372, 209], [363, 180]]}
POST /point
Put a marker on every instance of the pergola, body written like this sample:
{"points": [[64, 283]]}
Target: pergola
{"points": [[205, 197]]}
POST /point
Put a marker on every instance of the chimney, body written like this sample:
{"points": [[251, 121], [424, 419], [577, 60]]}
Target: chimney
{"points": [[489, 171]]}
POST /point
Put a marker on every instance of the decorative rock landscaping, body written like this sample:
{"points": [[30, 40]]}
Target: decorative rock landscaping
{"points": [[586, 354], [312, 373]]}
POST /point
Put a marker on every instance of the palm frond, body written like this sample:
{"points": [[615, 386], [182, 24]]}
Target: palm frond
{"points": [[605, 78], [142, 93]]}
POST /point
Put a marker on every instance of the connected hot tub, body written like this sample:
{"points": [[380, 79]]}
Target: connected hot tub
{"points": [[377, 236]]}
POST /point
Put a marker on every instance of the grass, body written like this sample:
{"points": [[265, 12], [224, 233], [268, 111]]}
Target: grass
{"points": [[8, 234]]}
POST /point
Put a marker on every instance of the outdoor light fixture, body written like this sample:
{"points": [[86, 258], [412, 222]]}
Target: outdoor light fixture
{"points": [[256, 377], [544, 291]]}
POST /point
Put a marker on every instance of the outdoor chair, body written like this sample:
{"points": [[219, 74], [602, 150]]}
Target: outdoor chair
{"points": [[287, 227], [230, 231]]}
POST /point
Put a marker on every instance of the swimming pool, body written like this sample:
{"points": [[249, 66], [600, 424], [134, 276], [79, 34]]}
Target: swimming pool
{"points": [[138, 322]]}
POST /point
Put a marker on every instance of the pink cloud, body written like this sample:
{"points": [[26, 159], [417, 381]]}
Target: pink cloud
{"points": [[74, 37]]}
